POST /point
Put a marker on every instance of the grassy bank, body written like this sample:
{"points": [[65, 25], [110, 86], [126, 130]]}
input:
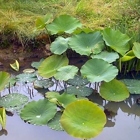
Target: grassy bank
{"points": [[17, 17]]}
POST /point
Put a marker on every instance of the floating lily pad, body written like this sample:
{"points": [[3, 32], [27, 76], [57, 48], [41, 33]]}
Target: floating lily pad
{"points": [[55, 122], [26, 77], [4, 79], [97, 70], [37, 64], [46, 83], [13, 102], [38, 112], [66, 72], [29, 70], [78, 81], [79, 90], [133, 85], [83, 119], [114, 90]]}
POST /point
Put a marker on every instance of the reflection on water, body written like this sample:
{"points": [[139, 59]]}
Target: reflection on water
{"points": [[123, 121]]}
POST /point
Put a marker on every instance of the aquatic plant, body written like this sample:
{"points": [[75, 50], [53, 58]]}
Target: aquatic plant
{"points": [[3, 117]]}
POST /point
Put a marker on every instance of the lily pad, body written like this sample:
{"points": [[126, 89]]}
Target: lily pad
{"points": [[83, 119], [114, 90], [116, 40], [63, 23], [133, 85], [86, 44], [55, 122], [59, 46], [66, 72], [97, 70], [29, 70], [4, 79], [107, 56], [78, 81], [37, 64], [38, 112], [50, 65], [45, 83], [79, 90], [13, 102]]}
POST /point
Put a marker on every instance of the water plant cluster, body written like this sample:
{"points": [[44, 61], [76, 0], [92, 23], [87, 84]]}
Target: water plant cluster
{"points": [[107, 53]]}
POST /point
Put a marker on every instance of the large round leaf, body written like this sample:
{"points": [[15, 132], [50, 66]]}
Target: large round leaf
{"points": [[136, 49], [65, 73], [116, 40], [51, 64], [97, 70], [13, 101], [4, 79], [83, 119], [59, 46], [114, 90], [133, 85], [64, 23], [128, 56], [107, 56], [87, 43], [38, 112]]}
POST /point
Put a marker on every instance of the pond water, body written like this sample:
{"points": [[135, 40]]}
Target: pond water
{"points": [[123, 121]]}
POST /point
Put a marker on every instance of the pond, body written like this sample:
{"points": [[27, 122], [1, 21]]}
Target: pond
{"points": [[123, 120]]}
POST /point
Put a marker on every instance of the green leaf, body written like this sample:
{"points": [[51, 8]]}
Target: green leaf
{"points": [[29, 70], [15, 65], [41, 22], [66, 72], [45, 83], [4, 79], [3, 117], [37, 64], [86, 44], [38, 112], [133, 85], [78, 81], [136, 49], [97, 70], [107, 56], [50, 65], [128, 56], [114, 90], [63, 23], [116, 40], [55, 122], [13, 102], [59, 46], [83, 119], [79, 90]]}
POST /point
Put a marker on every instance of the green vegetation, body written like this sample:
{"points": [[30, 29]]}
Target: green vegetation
{"points": [[17, 17]]}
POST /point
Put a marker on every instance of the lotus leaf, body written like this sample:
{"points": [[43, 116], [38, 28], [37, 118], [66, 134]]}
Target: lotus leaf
{"points": [[37, 64], [26, 77], [136, 49], [86, 44], [13, 102], [63, 23], [78, 81], [59, 46], [107, 56], [128, 56], [133, 85], [4, 79], [29, 70], [116, 40], [114, 90], [79, 90], [66, 72], [83, 119], [54, 123], [15, 65], [3, 117], [41, 22], [45, 83], [12, 82], [50, 65], [38, 112], [97, 70]]}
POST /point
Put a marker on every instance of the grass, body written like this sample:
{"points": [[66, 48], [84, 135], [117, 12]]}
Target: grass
{"points": [[17, 17]]}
